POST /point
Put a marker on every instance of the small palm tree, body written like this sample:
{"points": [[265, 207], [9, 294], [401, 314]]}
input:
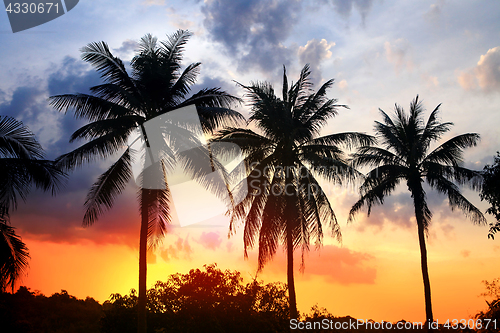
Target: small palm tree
{"points": [[124, 103], [285, 203], [21, 166], [405, 156]]}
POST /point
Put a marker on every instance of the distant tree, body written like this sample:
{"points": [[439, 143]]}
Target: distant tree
{"points": [[209, 300], [22, 165], [32, 312], [491, 193], [493, 312], [405, 156]]}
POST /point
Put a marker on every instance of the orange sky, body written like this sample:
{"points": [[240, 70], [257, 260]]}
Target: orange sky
{"points": [[375, 272]]}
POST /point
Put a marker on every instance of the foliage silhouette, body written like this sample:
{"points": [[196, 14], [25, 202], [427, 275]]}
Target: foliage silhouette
{"points": [[405, 156], [209, 300], [120, 105], [288, 154], [31, 312], [491, 193], [493, 312], [22, 165]]}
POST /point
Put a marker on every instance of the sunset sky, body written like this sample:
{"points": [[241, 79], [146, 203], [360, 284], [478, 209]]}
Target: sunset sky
{"points": [[379, 52]]}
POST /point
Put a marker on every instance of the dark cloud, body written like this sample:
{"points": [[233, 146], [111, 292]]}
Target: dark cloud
{"points": [[22, 101], [215, 82], [59, 218], [252, 31], [344, 7], [72, 76], [128, 46]]}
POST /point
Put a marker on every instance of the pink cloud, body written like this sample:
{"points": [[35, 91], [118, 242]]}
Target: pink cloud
{"points": [[335, 264], [210, 240]]}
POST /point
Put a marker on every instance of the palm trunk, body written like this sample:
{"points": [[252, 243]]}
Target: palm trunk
{"points": [[425, 274], [141, 304], [418, 195], [290, 280]]}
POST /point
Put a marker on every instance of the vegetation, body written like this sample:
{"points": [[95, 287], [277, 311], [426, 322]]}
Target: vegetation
{"points": [[206, 300], [405, 156], [285, 203], [491, 193], [22, 165], [32, 312], [124, 103]]}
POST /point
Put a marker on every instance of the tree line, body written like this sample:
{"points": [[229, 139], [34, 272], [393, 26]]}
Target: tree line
{"points": [[280, 132], [207, 300]]}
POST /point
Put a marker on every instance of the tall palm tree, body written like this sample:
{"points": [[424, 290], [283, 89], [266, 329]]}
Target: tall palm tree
{"points": [[285, 203], [125, 102], [22, 165], [405, 156]]}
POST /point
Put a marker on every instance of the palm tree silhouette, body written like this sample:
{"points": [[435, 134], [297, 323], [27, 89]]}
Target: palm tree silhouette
{"points": [[285, 203], [405, 156], [121, 105], [22, 165]]}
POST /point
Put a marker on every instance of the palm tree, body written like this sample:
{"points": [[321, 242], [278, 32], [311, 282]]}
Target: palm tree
{"points": [[21, 166], [125, 102], [405, 156], [285, 203]]}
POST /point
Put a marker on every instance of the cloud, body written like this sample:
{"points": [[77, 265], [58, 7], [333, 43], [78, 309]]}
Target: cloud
{"points": [[154, 2], [344, 7], [210, 240], [486, 75], [181, 249], [343, 85], [397, 54], [465, 253], [335, 264], [396, 210], [313, 53], [429, 80], [433, 15], [253, 32], [128, 46]]}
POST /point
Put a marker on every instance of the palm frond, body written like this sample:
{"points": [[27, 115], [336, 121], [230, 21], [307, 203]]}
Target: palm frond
{"points": [[99, 148], [14, 256], [378, 183], [17, 175], [375, 156], [347, 140], [457, 200], [89, 107], [104, 127], [107, 187], [16, 140], [173, 47], [111, 68], [451, 151]]}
